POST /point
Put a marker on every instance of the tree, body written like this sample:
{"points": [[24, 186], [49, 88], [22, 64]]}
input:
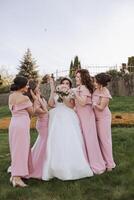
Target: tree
{"points": [[1, 81], [77, 64], [28, 67], [131, 61], [131, 64], [71, 70], [5, 77], [74, 66]]}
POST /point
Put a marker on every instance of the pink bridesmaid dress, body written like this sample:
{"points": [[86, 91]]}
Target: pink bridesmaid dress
{"points": [[19, 140], [88, 125], [39, 148], [103, 122]]}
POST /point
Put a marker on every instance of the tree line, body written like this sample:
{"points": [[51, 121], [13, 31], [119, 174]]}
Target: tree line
{"points": [[29, 68]]}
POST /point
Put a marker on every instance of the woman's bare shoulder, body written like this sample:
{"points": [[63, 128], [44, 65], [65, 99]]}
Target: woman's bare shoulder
{"points": [[18, 99]]}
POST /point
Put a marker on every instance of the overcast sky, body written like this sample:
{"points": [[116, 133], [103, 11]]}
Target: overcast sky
{"points": [[100, 32]]}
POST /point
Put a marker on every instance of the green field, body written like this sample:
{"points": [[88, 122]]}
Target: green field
{"points": [[116, 185], [122, 104], [117, 104], [4, 111]]}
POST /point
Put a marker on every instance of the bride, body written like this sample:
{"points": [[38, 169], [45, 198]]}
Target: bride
{"points": [[65, 152]]}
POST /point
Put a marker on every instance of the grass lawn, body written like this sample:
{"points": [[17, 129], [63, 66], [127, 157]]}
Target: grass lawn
{"points": [[4, 111], [117, 104], [116, 185], [122, 104]]}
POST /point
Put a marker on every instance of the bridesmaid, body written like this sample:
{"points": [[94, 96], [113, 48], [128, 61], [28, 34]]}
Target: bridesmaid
{"points": [[39, 148], [101, 97], [86, 115], [19, 137]]}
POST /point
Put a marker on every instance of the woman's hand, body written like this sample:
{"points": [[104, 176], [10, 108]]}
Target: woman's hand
{"points": [[103, 103], [82, 100], [52, 85], [50, 80], [69, 102], [33, 95], [38, 95], [94, 104], [72, 94]]}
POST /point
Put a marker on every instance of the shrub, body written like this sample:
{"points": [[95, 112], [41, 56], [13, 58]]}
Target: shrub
{"points": [[4, 89]]}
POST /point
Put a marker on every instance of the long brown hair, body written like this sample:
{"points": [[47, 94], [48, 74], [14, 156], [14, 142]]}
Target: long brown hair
{"points": [[86, 79], [32, 85]]}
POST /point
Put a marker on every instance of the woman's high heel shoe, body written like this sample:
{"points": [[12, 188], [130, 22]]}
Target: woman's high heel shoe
{"points": [[11, 178], [18, 183], [109, 169]]}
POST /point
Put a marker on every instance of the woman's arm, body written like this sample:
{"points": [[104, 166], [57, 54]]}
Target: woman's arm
{"points": [[41, 107], [43, 104], [69, 102], [30, 111], [40, 111], [82, 100], [51, 101], [81, 95], [103, 103], [36, 109]]}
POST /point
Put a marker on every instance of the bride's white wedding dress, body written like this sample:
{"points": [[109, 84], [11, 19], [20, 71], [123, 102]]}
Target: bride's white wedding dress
{"points": [[65, 157]]}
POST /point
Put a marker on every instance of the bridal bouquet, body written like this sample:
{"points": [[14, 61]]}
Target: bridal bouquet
{"points": [[72, 93], [62, 91]]}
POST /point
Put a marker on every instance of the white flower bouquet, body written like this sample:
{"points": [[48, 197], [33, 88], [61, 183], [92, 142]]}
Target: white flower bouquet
{"points": [[62, 91]]}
